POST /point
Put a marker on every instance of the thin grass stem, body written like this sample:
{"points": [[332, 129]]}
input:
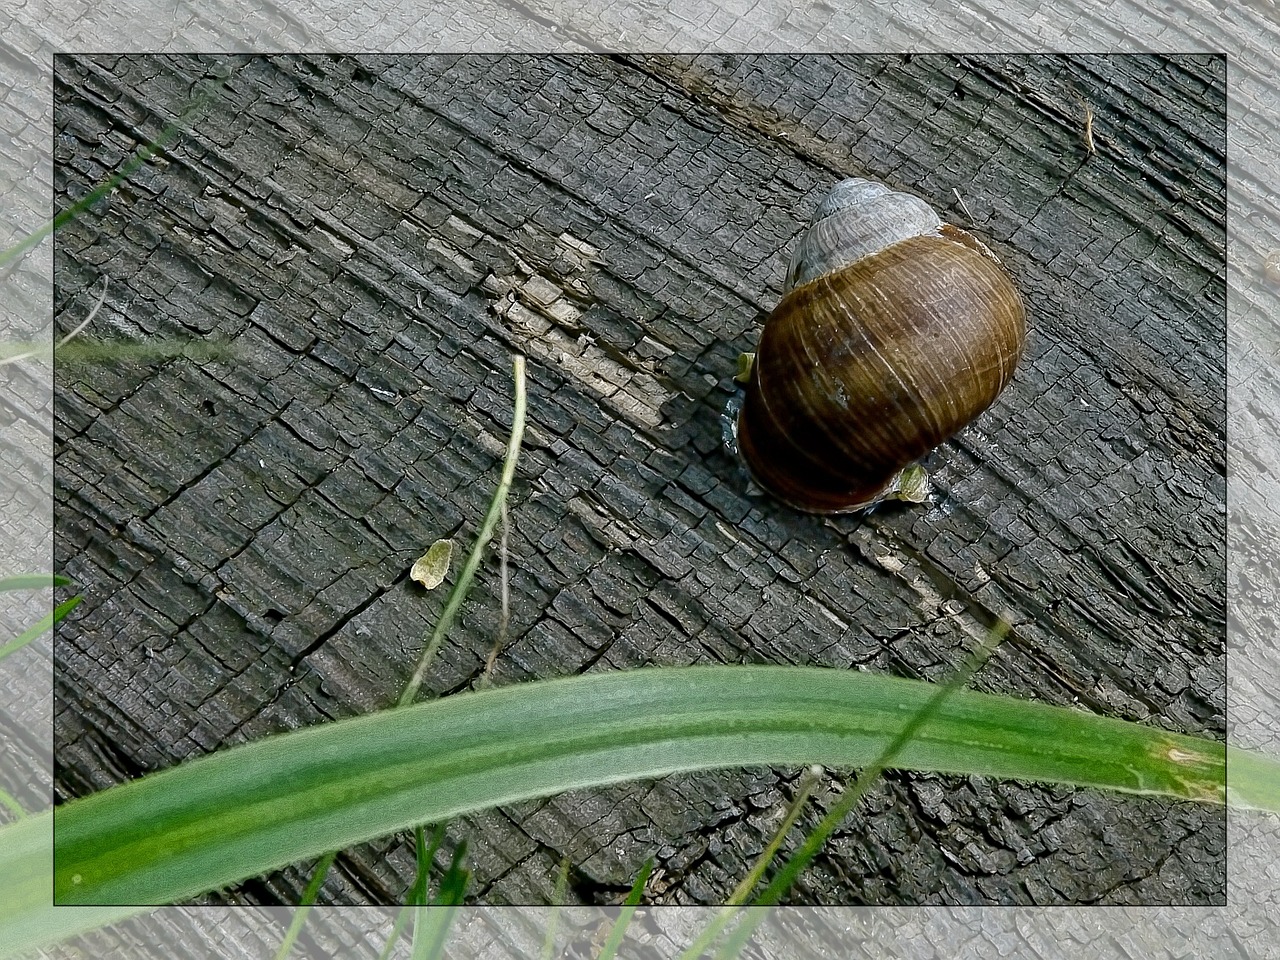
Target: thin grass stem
{"points": [[619, 930], [9, 259], [792, 869], [303, 909], [557, 901], [41, 626], [459, 592], [463, 584], [748, 883]]}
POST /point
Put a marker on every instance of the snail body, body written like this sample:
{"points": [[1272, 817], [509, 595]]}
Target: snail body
{"points": [[895, 331]]}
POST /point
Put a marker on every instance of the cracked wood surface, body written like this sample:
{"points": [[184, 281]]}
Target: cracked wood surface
{"points": [[369, 238]]}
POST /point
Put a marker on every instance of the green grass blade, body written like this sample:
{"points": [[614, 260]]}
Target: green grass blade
{"points": [[419, 892], [243, 811], [28, 921], [453, 885], [10, 803], [303, 908], [430, 931], [795, 865], [397, 930], [619, 930], [33, 581], [497, 507], [712, 932], [431, 923], [1253, 780], [42, 625], [10, 257], [557, 901], [459, 592], [736, 940], [748, 883]]}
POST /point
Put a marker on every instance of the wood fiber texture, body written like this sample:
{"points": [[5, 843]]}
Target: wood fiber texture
{"points": [[358, 244]]}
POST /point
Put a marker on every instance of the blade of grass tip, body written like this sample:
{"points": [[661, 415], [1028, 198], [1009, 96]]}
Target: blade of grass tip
{"points": [[41, 626], [421, 893], [557, 901], [619, 930], [303, 908], [748, 883], [463, 585], [792, 869], [65, 607]]}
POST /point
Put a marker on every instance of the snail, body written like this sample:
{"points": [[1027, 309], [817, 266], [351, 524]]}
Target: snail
{"points": [[895, 330]]}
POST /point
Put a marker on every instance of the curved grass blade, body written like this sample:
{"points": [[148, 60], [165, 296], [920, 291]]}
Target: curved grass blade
{"points": [[431, 923], [243, 811], [419, 893], [28, 920]]}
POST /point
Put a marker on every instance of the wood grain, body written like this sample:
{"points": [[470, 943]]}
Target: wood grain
{"points": [[371, 237]]}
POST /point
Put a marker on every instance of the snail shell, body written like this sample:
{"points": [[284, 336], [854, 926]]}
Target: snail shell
{"points": [[895, 330]]}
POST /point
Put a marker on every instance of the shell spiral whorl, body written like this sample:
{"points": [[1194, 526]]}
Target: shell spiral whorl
{"points": [[894, 332]]}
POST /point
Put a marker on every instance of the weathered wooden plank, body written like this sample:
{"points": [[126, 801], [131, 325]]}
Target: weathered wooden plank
{"points": [[372, 236]]}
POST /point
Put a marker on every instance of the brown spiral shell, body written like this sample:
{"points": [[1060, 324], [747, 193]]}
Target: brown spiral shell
{"points": [[896, 330]]}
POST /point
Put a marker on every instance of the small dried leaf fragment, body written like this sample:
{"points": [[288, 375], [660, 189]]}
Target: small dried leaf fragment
{"points": [[430, 568]]}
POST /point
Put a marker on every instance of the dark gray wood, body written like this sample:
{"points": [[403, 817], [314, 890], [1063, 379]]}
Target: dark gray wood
{"points": [[366, 241]]}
